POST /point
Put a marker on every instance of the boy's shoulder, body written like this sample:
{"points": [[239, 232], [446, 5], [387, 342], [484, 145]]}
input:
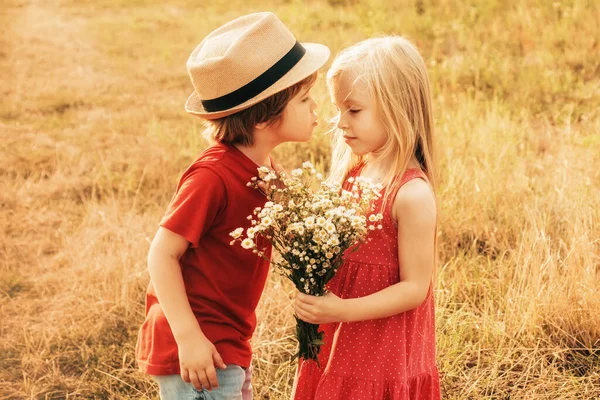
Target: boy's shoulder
{"points": [[213, 154], [215, 157], [223, 162]]}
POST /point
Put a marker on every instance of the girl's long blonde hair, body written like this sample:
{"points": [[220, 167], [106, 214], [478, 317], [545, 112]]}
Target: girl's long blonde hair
{"points": [[396, 78]]}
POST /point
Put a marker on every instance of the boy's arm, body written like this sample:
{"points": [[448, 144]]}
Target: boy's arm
{"points": [[163, 265], [197, 355]]}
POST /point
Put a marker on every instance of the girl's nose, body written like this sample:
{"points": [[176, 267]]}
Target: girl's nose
{"points": [[342, 124]]}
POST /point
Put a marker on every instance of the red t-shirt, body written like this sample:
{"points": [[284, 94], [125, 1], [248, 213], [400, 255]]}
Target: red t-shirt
{"points": [[223, 282]]}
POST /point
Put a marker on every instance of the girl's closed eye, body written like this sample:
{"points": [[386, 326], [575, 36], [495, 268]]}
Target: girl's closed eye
{"points": [[354, 110]]}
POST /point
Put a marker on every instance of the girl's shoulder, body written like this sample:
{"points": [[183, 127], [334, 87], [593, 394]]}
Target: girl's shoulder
{"points": [[414, 198]]}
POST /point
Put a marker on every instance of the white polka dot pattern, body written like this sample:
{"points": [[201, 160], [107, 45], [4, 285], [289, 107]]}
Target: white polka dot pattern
{"points": [[385, 359]]}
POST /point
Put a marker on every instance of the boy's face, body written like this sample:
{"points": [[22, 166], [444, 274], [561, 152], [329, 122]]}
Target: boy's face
{"points": [[358, 117], [298, 119]]}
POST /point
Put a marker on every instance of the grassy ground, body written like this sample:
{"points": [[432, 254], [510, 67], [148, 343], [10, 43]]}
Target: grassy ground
{"points": [[93, 137]]}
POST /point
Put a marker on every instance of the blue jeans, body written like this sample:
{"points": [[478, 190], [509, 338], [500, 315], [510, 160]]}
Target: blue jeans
{"points": [[235, 383]]}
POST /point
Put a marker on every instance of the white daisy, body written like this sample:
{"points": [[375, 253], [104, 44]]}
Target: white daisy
{"points": [[236, 233]]}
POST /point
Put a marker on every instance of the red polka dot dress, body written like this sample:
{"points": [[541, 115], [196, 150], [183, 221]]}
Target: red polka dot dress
{"points": [[384, 359]]}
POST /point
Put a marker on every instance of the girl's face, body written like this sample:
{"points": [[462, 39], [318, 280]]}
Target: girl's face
{"points": [[358, 117]]}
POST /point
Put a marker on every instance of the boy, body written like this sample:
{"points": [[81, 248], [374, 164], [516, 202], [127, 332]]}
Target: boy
{"points": [[252, 81]]}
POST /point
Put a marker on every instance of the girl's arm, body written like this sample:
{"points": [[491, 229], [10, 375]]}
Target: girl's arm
{"points": [[197, 355], [414, 209]]}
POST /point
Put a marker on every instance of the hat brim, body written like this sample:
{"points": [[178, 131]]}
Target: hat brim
{"points": [[316, 56]]}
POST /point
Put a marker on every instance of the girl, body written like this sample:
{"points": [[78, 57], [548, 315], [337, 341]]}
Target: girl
{"points": [[379, 315]]}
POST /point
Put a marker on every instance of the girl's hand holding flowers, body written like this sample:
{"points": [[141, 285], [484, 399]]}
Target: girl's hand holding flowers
{"points": [[320, 309]]}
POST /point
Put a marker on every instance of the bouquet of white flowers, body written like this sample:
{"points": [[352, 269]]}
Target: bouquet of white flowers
{"points": [[311, 223]]}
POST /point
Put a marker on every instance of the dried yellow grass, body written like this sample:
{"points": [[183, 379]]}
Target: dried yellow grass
{"points": [[93, 137]]}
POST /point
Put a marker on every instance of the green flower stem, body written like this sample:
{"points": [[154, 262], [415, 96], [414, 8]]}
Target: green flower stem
{"points": [[310, 340]]}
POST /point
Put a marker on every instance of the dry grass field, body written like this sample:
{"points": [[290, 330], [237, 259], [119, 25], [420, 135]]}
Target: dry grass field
{"points": [[93, 137]]}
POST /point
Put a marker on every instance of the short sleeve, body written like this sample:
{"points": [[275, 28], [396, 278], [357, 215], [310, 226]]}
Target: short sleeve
{"points": [[197, 204]]}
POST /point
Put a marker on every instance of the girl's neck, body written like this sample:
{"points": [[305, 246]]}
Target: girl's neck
{"points": [[377, 168], [373, 169]]}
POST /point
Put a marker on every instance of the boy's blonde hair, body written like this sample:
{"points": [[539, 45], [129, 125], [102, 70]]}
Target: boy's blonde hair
{"points": [[238, 128], [395, 76]]}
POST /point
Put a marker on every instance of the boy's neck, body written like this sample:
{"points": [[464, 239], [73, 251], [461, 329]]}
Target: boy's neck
{"points": [[258, 154]]}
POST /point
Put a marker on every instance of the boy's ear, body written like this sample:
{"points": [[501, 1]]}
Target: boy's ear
{"points": [[261, 125]]}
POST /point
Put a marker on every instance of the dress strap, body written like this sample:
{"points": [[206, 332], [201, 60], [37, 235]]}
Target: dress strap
{"points": [[411, 174]]}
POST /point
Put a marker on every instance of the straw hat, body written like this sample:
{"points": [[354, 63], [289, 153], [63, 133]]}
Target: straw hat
{"points": [[246, 61]]}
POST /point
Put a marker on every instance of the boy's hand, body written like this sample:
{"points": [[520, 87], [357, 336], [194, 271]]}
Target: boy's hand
{"points": [[197, 361], [262, 186], [319, 309], [280, 170]]}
